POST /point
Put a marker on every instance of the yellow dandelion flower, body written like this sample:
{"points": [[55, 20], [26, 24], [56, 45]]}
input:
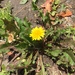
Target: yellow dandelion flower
{"points": [[37, 33]]}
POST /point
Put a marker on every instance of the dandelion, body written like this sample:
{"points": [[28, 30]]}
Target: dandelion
{"points": [[37, 33]]}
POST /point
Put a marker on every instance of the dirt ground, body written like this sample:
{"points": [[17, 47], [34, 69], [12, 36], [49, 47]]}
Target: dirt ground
{"points": [[22, 11], [25, 10]]}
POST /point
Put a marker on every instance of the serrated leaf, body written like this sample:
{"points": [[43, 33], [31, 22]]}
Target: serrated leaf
{"points": [[67, 58], [23, 1]]}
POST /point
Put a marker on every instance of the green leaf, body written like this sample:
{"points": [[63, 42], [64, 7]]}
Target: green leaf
{"points": [[34, 6], [49, 32], [70, 56], [22, 46], [34, 1], [1, 22], [59, 62], [2, 32], [44, 18], [23, 1], [49, 45], [1, 14], [54, 8], [8, 17], [53, 13], [67, 58], [73, 38], [23, 25], [19, 21], [55, 53], [29, 60], [62, 7], [35, 57], [57, 1], [26, 23], [2, 73], [56, 21]]}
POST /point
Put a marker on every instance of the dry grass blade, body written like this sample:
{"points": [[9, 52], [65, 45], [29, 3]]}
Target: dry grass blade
{"points": [[40, 67]]}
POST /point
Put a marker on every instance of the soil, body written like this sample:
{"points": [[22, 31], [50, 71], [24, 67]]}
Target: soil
{"points": [[25, 10]]}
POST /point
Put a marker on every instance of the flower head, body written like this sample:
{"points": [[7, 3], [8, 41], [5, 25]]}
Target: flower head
{"points": [[37, 33]]}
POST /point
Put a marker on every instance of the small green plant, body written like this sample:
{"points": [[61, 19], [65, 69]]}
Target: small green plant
{"points": [[55, 36], [48, 12], [20, 34], [33, 42]]}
